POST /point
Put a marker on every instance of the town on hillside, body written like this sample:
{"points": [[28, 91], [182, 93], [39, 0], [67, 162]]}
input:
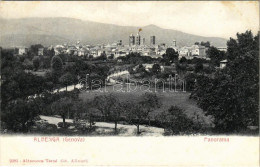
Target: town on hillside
{"points": [[136, 44], [139, 88], [129, 83]]}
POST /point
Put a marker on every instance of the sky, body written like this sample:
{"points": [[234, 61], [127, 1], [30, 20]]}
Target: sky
{"points": [[218, 19]]}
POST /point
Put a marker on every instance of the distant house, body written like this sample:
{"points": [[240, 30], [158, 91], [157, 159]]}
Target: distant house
{"points": [[223, 48], [72, 50], [82, 52], [22, 51], [40, 51], [185, 52], [149, 51], [223, 64], [148, 67], [198, 50], [120, 53], [100, 51], [160, 51], [58, 49], [94, 52], [108, 46]]}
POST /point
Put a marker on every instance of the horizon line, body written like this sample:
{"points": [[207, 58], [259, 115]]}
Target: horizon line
{"points": [[62, 17]]}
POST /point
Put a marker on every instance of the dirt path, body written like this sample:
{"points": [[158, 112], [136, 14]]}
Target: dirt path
{"points": [[104, 128]]}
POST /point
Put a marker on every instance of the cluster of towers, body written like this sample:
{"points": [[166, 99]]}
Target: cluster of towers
{"points": [[137, 40]]}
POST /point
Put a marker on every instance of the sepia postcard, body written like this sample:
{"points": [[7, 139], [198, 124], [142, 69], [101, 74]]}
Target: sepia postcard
{"points": [[129, 83]]}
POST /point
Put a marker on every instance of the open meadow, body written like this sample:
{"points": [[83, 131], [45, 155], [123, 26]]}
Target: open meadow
{"points": [[167, 99]]}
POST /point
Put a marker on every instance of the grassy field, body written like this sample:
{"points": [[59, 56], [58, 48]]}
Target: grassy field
{"points": [[167, 99]]}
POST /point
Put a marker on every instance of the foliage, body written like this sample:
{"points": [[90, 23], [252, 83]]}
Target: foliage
{"points": [[104, 103], [181, 68], [34, 48], [190, 81], [64, 125], [140, 69], [62, 107], [102, 57], [110, 107], [19, 115], [140, 72], [111, 57], [156, 69], [56, 63], [49, 52], [215, 55], [136, 112], [136, 58], [83, 110], [175, 121], [231, 95], [36, 63], [183, 60], [66, 79], [206, 44], [20, 85], [46, 62], [170, 56], [198, 67]]}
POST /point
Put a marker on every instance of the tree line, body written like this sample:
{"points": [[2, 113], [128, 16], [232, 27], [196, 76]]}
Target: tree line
{"points": [[231, 95]]}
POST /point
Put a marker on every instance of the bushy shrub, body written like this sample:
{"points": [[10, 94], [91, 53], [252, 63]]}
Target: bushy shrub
{"points": [[176, 122], [66, 124]]}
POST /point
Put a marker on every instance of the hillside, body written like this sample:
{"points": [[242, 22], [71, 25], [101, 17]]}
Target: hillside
{"points": [[51, 31]]}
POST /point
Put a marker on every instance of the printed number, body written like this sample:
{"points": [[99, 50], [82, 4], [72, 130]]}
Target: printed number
{"points": [[13, 160]]}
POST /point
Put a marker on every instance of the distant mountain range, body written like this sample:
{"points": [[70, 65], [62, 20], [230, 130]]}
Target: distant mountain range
{"points": [[52, 31]]}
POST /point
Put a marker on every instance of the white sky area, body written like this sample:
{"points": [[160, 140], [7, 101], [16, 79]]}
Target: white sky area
{"points": [[219, 19]]}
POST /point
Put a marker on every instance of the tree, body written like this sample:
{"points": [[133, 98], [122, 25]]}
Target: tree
{"points": [[66, 79], [103, 56], [46, 62], [56, 63], [90, 57], [215, 55], [198, 67], [183, 60], [206, 44], [49, 52], [19, 114], [190, 81], [109, 106], [170, 56], [18, 84], [140, 71], [116, 113], [84, 110], [80, 68], [34, 48], [181, 69], [36, 63], [111, 57], [136, 112], [62, 107], [156, 69], [175, 121], [231, 95]]}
